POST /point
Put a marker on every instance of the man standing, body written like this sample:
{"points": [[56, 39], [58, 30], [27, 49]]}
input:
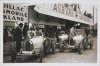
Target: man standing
{"points": [[18, 36], [72, 31], [25, 29], [86, 31], [5, 35]]}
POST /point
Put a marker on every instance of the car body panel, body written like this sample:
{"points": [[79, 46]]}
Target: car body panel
{"points": [[37, 41], [78, 38], [63, 37]]}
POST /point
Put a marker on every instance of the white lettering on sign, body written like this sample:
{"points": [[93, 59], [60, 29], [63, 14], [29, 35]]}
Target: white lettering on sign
{"points": [[69, 12], [63, 10], [12, 12]]}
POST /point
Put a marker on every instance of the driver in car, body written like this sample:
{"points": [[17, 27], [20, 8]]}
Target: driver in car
{"points": [[31, 33], [39, 32], [72, 31]]}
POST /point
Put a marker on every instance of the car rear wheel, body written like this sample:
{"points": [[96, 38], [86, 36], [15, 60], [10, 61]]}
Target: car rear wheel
{"points": [[46, 46], [41, 55], [61, 47], [86, 43], [91, 44], [80, 49]]}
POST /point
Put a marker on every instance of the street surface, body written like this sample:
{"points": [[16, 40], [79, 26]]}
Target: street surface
{"points": [[88, 56]]}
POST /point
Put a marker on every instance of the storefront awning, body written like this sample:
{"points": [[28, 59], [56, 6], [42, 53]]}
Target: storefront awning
{"points": [[58, 15]]}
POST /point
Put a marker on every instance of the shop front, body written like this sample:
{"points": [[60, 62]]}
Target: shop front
{"points": [[56, 16], [13, 14], [65, 15]]}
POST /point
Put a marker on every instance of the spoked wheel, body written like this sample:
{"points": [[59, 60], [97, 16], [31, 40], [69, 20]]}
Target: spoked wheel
{"points": [[13, 52], [46, 47], [61, 47], [53, 47], [91, 44], [41, 55], [81, 48], [86, 43], [87, 47]]}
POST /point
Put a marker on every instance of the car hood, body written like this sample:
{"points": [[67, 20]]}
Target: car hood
{"points": [[37, 41], [78, 38]]}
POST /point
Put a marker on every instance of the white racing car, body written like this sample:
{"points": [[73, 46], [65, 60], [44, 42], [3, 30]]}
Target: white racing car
{"points": [[80, 41], [32, 47], [63, 40]]}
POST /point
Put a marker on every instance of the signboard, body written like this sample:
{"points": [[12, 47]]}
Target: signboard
{"points": [[63, 10], [59, 10], [15, 13], [70, 12]]}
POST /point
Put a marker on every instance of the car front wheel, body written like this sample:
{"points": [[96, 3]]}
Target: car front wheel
{"points": [[61, 47], [41, 55], [53, 47], [80, 49]]}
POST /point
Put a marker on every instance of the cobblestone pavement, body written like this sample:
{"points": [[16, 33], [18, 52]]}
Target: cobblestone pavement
{"points": [[88, 56]]}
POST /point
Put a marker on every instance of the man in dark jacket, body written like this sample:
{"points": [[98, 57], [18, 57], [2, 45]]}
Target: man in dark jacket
{"points": [[18, 37], [5, 35], [87, 31], [25, 29]]}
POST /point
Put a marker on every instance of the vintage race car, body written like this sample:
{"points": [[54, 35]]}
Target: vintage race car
{"points": [[63, 37], [32, 47], [63, 40], [49, 45], [80, 41]]}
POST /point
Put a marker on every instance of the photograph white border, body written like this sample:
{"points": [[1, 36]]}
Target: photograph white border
{"points": [[48, 1]]}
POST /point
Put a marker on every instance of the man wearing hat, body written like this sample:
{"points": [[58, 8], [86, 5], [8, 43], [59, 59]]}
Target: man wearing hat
{"points": [[18, 36]]}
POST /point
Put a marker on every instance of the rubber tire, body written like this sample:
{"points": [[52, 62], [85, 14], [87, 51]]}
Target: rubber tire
{"points": [[46, 47], [80, 49], [85, 43], [41, 55], [91, 44], [61, 48], [13, 52], [53, 47]]}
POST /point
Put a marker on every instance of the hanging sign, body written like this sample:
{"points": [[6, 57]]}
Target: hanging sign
{"points": [[15, 13]]}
